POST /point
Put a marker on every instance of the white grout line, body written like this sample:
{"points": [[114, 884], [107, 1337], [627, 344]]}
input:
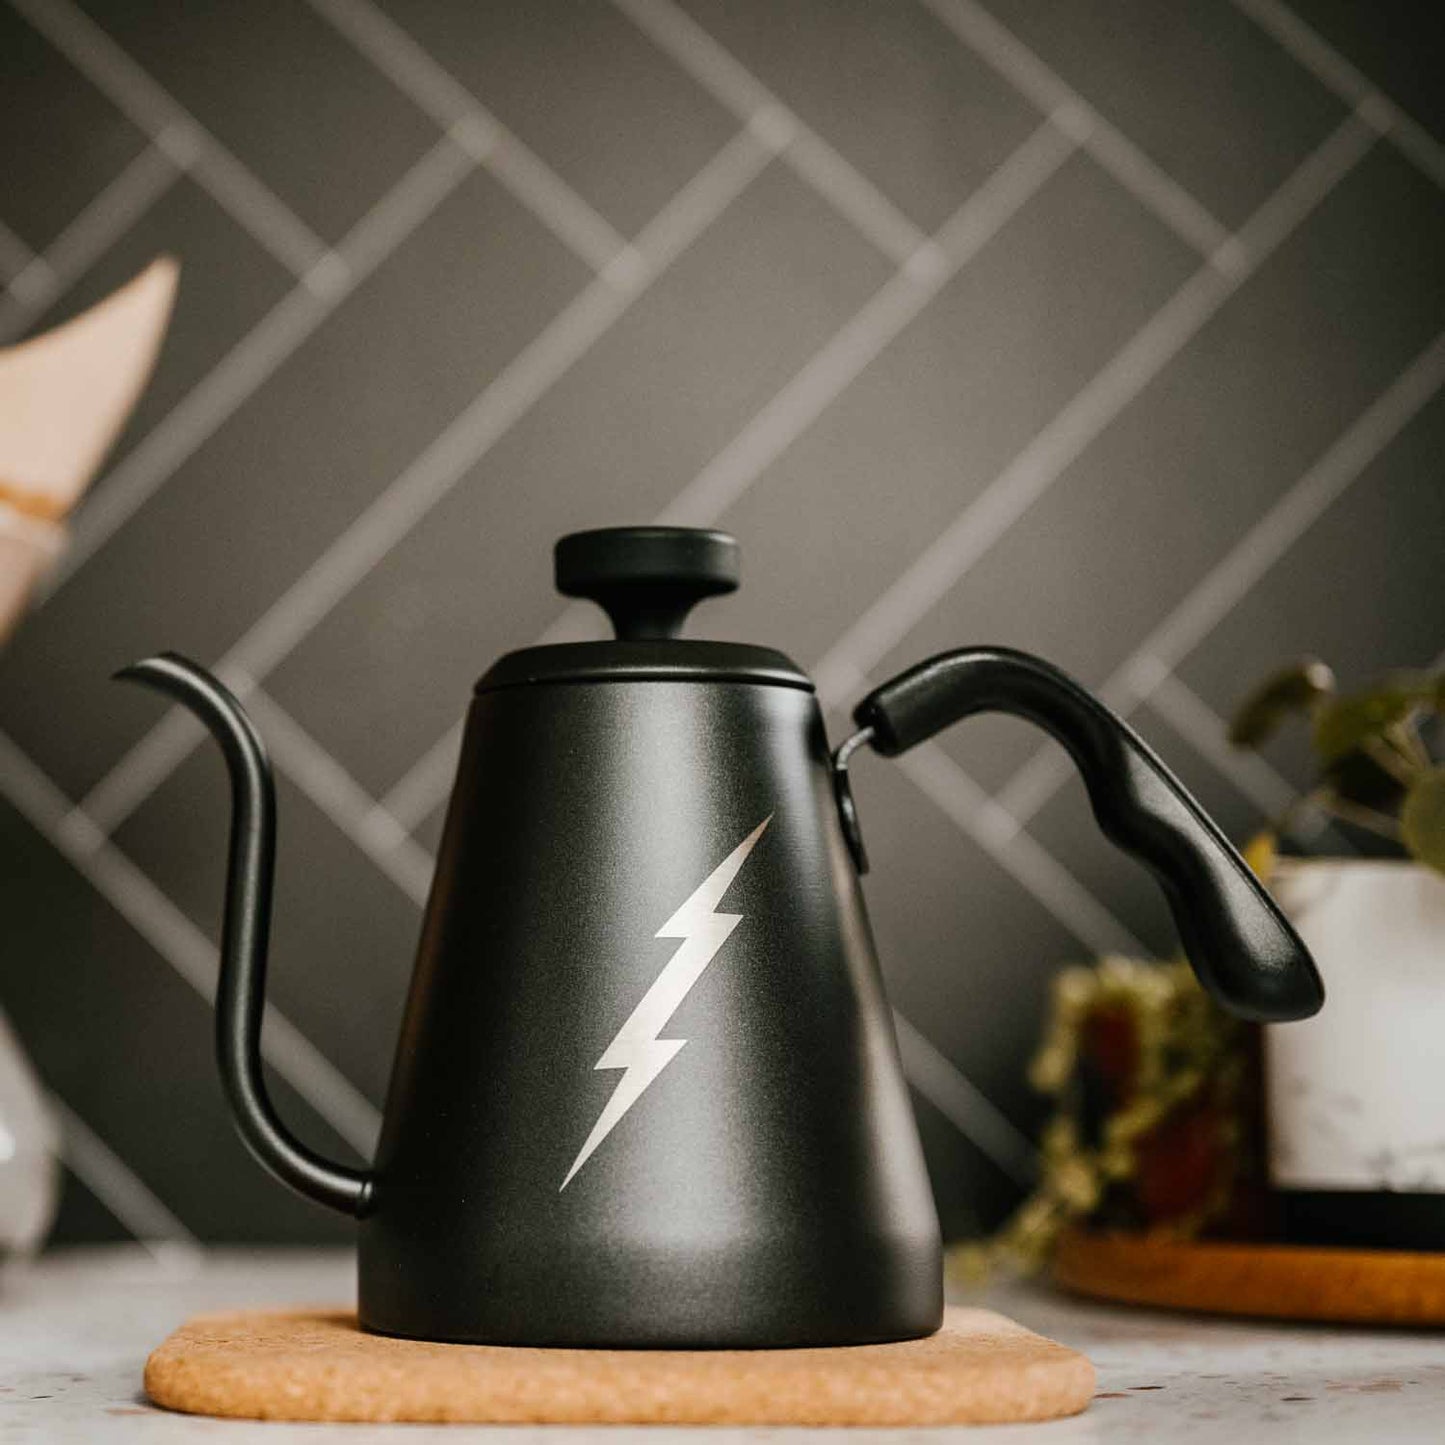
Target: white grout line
{"points": [[719, 73], [437, 92], [1203, 729], [1223, 587], [804, 397], [99, 226], [146, 766], [1052, 450], [255, 358], [998, 47], [569, 217], [268, 218], [1336, 73], [438, 469], [965, 1106], [15, 255], [946, 784], [179, 942], [852, 348], [427, 782], [342, 799], [156, 112], [124, 1194]]}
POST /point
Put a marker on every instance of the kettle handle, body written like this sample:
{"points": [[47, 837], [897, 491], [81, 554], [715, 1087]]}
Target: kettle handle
{"points": [[245, 932], [1241, 946]]}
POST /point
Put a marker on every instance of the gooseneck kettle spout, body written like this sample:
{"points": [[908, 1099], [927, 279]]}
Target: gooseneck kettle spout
{"points": [[245, 934]]}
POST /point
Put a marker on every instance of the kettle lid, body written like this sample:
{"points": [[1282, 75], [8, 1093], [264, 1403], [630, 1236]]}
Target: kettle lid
{"points": [[647, 579]]}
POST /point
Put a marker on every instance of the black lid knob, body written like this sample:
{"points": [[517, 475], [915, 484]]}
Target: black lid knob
{"points": [[647, 579]]}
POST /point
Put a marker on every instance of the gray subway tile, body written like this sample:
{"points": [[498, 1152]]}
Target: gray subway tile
{"points": [[972, 1195], [118, 1035], [1216, 438], [1363, 588], [887, 85], [967, 954], [585, 89], [80, 1218], [61, 140], [1395, 43], [839, 515], [254, 507], [310, 116], [1200, 89], [344, 936], [614, 440]]}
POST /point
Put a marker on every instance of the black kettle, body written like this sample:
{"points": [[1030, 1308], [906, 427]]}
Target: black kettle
{"points": [[647, 1090]]}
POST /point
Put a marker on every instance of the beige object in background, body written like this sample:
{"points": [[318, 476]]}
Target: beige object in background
{"points": [[317, 1365], [28, 545], [64, 397]]}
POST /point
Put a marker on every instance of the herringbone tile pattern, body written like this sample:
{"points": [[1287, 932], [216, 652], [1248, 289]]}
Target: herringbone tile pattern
{"points": [[1108, 330]]}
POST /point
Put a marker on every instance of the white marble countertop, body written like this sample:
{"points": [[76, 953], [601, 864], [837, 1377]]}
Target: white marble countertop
{"points": [[75, 1329]]}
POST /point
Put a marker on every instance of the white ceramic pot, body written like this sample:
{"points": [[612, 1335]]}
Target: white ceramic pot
{"points": [[1357, 1093]]}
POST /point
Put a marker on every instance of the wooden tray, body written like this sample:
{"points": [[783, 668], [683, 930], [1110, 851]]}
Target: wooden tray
{"points": [[1277, 1281]]}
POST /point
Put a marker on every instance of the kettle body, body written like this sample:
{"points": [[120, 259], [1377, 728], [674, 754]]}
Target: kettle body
{"points": [[647, 1090]]}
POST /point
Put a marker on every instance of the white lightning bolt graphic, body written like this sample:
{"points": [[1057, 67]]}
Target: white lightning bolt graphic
{"points": [[637, 1048]]}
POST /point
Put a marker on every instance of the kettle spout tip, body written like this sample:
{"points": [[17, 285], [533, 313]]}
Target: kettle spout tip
{"points": [[162, 671]]}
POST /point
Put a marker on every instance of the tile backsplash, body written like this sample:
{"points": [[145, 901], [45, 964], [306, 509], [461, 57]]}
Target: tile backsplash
{"points": [[1109, 330]]}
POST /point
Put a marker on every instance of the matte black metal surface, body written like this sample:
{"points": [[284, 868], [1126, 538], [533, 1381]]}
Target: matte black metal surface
{"points": [[665, 659], [241, 985], [1242, 947], [766, 1187], [647, 578]]}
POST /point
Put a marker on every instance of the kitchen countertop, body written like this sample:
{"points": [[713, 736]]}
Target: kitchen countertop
{"points": [[75, 1328]]}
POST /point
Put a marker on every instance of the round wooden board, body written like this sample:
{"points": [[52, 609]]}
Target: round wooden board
{"points": [[1275, 1281], [317, 1365]]}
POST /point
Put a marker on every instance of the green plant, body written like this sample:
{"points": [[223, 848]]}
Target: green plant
{"points": [[1146, 1077], [1375, 771]]}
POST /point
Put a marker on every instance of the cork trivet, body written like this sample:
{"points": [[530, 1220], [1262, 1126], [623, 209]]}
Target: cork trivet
{"points": [[317, 1365], [1275, 1281]]}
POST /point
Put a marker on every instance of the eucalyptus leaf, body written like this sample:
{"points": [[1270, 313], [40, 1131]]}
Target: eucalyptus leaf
{"points": [[1422, 818], [1291, 690], [1427, 689], [1346, 724]]}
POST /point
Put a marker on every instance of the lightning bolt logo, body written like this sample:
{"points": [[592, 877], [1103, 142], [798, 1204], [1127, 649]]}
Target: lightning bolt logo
{"points": [[637, 1050]]}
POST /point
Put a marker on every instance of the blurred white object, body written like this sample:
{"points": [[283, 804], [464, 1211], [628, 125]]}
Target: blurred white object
{"points": [[1357, 1093], [64, 397], [29, 1172]]}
